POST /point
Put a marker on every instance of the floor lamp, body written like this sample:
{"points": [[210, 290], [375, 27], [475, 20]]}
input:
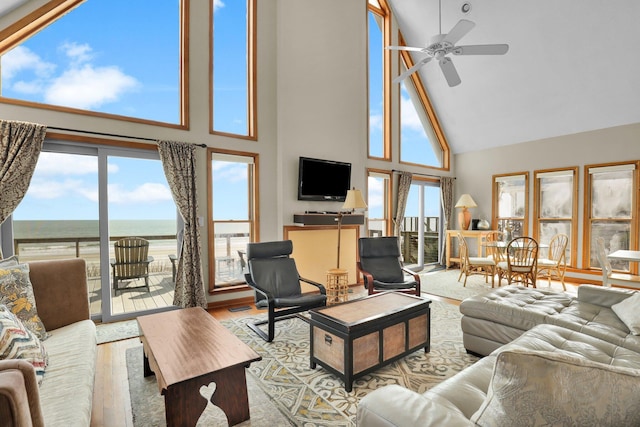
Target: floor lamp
{"points": [[353, 201]]}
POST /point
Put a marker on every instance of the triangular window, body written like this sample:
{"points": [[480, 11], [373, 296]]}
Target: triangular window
{"points": [[117, 57]]}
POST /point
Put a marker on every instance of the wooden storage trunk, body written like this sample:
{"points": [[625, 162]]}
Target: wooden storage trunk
{"points": [[357, 337]]}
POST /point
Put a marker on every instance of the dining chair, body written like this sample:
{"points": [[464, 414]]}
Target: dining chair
{"points": [[492, 250], [521, 262], [474, 265], [555, 263], [604, 262]]}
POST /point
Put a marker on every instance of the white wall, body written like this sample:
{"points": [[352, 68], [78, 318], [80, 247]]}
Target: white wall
{"points": [[322, 91], [474, 170]]}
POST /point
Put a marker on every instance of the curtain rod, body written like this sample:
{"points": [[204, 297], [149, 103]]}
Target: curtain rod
{"points": [[421, 174], [90, 132]]}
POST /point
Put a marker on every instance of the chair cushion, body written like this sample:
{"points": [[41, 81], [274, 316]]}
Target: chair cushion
{"points": [[407, 284], [375, 247], [277, 276], [383, 269], [543, 388], [282, 248]]}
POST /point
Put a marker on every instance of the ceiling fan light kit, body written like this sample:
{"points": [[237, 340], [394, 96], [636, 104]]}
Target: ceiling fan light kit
{"points": [[442, 45]]}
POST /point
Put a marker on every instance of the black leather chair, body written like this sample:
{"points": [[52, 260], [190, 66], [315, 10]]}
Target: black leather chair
{"points": [[381, 267], [274, 277]]}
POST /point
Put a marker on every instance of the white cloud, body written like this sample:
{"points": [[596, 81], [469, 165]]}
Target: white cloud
{"points": [[77, 53], [217, 4], [53, 164], [50, 189], [146, 193], [375, 192], [21, 59], [375, 121], [80, 84], [89, 87], [230, 171], [410, 118]]}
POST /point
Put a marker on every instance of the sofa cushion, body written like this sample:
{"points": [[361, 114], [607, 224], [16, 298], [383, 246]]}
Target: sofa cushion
{"points": [[543, 388], [627, 311], [18, 342], [67, 390], [16, 292]]}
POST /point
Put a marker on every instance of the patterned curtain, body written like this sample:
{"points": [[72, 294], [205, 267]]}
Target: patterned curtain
{"points": [[179, 163], [446, 198], [404, 185], [20, 145]]}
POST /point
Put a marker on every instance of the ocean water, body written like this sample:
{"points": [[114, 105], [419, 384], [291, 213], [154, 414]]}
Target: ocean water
{"points": [[89, 228]]}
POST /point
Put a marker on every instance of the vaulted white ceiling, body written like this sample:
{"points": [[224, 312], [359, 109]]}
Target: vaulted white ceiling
{"points": [[572, 66]]}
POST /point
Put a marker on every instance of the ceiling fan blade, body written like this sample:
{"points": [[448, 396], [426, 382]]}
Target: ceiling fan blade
{"points": [[409, 48], [412, 69], [458, 31], [481, 49], [449, 71]]}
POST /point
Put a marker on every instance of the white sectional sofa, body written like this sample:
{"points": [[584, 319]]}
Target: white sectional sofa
{"points": [[551, 359], [65, 395]]}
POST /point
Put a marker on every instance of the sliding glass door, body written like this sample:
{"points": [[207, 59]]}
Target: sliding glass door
{"points": [[81, 200], [421, 227]]}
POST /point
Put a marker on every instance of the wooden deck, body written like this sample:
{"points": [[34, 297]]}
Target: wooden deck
{"points": [[160, 294]]}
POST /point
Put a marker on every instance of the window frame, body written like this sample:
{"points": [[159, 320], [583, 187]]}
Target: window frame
{"points": [[383, 13], [537, 207], [387, 210], [252, 90], [588, 218], [427, 108], [254, 214], [45, 15], [495, 205]]}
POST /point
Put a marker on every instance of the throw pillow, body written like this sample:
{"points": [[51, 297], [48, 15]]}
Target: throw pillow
{"points": [[628, 310], [16, 292], [9, 262], [536, 388], [18, 342]]}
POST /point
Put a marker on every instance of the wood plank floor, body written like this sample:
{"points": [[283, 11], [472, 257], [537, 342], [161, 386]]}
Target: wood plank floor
{"points": [[111, 401]]}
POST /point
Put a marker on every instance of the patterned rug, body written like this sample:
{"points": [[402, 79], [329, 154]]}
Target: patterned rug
{"points": [[116, 331], [445, 283], [306, 397]]}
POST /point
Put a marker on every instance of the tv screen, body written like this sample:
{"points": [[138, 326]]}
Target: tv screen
{"points": [[323, 179]]}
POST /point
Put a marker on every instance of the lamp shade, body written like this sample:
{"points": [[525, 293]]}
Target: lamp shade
{"points": [[354, 200], [466, 201]]}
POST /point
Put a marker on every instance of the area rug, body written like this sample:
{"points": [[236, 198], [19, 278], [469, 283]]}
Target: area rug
{"points": [[314, 397], [444, 283], [116, 331]]}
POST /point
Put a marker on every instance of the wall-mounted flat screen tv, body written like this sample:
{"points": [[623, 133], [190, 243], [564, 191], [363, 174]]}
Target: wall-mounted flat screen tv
{"points": [[323, 179]]}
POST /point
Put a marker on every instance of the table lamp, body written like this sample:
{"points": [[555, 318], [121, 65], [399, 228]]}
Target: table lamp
{"points": [[352, 202], [464, 217]]}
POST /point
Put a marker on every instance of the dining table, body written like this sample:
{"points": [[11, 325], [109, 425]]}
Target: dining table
{"points": [[624, 255]]}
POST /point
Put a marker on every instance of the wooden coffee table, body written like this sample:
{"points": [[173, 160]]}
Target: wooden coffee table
{"points": [[357, 337], [187, 349]]}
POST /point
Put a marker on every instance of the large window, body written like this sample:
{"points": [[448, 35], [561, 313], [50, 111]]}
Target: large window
{"points": [[511, 203], [421, 226], [233, 68], [379, 203], [611, 211], [232, 215], [378, 144], [117, 57], [84, 197], [556, 202]]}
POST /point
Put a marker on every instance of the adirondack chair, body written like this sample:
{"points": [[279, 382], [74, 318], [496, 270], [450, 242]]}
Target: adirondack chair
{"points": [[131, 262]]}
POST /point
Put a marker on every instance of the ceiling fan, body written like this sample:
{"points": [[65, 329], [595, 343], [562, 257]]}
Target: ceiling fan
{"points": [[443, 44]]}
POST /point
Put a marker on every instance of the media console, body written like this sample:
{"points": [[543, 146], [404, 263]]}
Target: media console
{"points": [[327, 219]]}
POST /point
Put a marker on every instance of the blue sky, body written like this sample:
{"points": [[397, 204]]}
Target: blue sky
{"points": [[128, 64]]}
